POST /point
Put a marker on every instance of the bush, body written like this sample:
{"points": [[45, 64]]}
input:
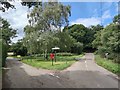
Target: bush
{"points": [[102, 51], [3, 52], [64, 54], [77, 48]]}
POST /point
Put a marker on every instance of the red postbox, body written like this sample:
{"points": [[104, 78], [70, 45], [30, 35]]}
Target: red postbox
{"points": [[52, 56]]}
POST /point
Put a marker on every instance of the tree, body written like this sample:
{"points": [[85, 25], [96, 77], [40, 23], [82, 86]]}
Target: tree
{"points": [[83, 34], [6, 4], [3, 52], [116, 19], [108, 41], [77, 48], [40, 34], [6, 34], [6, 31], [18, 48], [110, 38], [65, 41], [77, 31], [97, 34], [43, 19]]}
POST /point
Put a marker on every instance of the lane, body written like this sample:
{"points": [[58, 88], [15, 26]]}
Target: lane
{"points": [[82, 74], [19, 75], [87, 73]]}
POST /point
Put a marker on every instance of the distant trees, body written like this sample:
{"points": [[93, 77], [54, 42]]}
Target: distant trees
{"points": [[83, 35], [18, 48]]}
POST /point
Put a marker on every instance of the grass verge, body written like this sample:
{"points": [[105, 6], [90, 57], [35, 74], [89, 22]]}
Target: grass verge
{"points": [[108, 64], [59, 65], [62, 62]]}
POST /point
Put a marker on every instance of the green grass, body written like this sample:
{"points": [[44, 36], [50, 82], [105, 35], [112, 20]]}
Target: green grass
{"points": [[59, 65], [108, 64], [62, 62]]}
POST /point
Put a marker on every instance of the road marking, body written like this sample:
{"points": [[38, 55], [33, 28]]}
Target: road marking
{"points": [[6, 68], [57, 76], [86, 65], [51, 74]]}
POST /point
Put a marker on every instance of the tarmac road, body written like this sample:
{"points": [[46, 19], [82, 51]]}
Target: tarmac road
{"points": [[82, 74]]}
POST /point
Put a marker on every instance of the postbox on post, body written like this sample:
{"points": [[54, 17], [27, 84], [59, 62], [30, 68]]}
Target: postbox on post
{"points": [[55, 49]]}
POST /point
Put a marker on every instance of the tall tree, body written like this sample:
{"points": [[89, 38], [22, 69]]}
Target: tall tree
{"points": [[5, 38], [5, 5], [116, 19], [48, 15], [6, 31]]}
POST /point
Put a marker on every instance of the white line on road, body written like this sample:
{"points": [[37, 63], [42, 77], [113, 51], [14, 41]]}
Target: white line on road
{"points": [[86, 65], [57, 76], [51, 74], [98, 85]]}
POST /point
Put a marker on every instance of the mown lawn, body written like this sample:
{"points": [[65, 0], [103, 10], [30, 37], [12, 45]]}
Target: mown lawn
{"points": [[108, 64], [61, 63]]}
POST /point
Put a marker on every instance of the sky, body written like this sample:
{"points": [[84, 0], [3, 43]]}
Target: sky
{"points": [[86, 13]]}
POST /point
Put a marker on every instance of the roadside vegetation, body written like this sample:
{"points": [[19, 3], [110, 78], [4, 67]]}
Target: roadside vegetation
{"points": [[108, 64], [62, 61]]}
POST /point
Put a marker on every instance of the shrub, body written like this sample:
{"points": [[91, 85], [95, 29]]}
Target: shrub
{"points": [[102, 51], [77, 48], [3, 52], [64, 54]]}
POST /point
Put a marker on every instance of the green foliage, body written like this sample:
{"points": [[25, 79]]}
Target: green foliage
{"points": [[108, 64], [83, 34], [116, 18], [77, 48], [43, 32], [77, 32], [65, 41], [108, 41], [18, 48], [3, 52], [6, 34], [6, 31], [102, 51], [64, 54], [42, 16]]}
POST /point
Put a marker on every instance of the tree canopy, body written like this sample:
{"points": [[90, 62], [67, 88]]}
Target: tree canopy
{"points": [[6, 31]]}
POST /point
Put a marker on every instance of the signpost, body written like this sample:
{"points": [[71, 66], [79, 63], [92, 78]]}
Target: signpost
{"points": [[55, 49]]}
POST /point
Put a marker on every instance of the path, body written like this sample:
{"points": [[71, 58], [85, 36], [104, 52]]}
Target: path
{"points": [[82, 74]]}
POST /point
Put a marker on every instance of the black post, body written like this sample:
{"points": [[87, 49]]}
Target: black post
{"points": [[52, 62], [55, 56]]}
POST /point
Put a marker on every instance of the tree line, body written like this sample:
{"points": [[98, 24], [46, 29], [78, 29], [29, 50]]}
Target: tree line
{"points": [[44, 32]]}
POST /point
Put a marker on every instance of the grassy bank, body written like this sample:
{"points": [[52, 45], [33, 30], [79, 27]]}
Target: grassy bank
{"points": [[108, 64], [61, 63]]}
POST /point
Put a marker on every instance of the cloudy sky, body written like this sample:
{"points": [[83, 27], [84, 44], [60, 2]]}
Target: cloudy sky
{"points": [[87, 13]]}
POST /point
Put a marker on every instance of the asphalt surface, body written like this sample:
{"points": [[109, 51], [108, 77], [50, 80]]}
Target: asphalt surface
{"points": [[82, 74]]}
